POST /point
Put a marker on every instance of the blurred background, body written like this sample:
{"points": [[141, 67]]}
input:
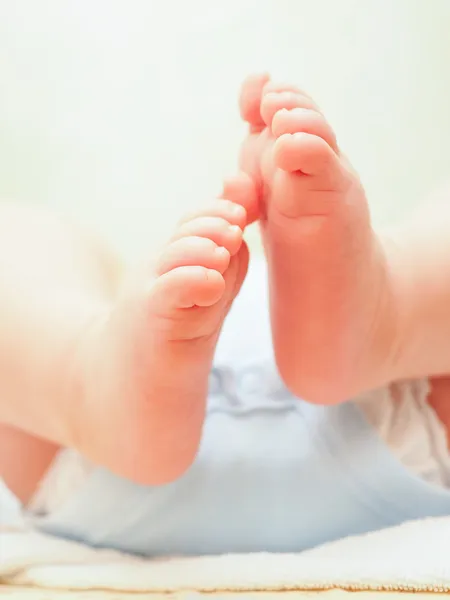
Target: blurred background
{"points": [[123, 113]]}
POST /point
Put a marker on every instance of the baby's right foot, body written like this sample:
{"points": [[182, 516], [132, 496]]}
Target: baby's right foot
{"points": [[333, 298], [146, 367]]}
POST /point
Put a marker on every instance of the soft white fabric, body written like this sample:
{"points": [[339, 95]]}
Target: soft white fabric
{"points": [[66, 475], [409, 426], [400, 413], [411, 557]]}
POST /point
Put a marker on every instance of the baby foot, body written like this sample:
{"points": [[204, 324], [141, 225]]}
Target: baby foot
{"points": [[332, 306], [146, 366]]}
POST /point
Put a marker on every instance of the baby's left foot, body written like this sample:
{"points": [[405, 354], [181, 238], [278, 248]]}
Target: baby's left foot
{"points": [[332, 303], [143, 366]]}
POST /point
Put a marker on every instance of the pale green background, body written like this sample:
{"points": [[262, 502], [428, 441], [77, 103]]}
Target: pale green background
{"points": [[123, 113]]}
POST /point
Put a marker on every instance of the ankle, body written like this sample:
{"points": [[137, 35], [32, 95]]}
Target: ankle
{"points": [[384, 359], [408, 344], [79, 376], [392, 330]]}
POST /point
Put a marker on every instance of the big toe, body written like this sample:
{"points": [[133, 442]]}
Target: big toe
{"points": [[280, 96], [305, 144]]}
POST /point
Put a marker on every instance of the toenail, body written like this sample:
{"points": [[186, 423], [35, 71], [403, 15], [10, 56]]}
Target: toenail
{"points": [[235, 229], [221, 251], [238, 210]]}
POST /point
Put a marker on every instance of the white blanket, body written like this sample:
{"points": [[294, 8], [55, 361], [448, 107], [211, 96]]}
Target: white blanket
{"points": [[413, 557]]}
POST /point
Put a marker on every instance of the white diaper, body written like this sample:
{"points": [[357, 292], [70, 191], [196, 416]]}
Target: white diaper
{"points": [[411, 429]]}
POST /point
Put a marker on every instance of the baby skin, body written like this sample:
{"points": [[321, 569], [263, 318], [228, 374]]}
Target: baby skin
{"points": [[108, 366], [332, 305], [148, 363], [125, 375], [352, 309]]}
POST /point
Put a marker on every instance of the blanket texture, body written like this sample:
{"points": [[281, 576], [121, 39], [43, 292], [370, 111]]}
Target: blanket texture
{"points": [[19, 593], [413, 557]]}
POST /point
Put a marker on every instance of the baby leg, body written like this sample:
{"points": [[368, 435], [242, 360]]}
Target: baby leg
{"points": [[119, 375]]}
